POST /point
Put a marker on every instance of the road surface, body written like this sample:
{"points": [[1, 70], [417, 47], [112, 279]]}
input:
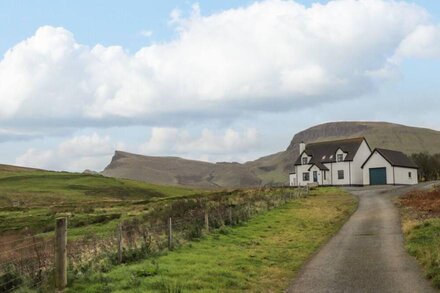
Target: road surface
{"points": [[367, 254]]}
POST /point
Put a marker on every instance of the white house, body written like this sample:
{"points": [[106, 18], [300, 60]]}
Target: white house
{"points": [[345, 162], [389, 167]]}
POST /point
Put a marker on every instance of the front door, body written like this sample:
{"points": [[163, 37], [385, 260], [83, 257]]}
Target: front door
{"points": [[315, 176]]}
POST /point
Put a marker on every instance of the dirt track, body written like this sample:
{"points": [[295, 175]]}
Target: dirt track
{"points": [[367, 255]]}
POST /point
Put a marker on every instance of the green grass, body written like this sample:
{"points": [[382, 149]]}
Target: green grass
{"points": [[423, 242], [421, 228], [39, 188], [31, 200], [261, 255]]}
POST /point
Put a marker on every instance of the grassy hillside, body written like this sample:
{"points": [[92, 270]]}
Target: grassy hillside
{"points": [[272, 168], [28, 187], [31, 199]]}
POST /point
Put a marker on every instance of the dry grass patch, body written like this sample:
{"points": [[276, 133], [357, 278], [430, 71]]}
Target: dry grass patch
{"points": [[421, 228]]}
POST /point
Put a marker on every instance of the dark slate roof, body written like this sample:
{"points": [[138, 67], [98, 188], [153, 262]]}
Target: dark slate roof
{"points": [[325, 152], [319, 165], [395, 158]]}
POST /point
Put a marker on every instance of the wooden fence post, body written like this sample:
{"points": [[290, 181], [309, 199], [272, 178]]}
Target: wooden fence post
{"points": [[230, 216], [119, 243], [206, 221], [61, 254], [170, 234]]}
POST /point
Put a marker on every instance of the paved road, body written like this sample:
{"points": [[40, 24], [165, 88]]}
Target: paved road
{"points": [[367, 255]]}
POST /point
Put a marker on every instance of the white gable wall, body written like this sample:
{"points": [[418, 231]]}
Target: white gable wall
{"points": [[300, 169], [377, 161], [357, 174], [395, 175]]}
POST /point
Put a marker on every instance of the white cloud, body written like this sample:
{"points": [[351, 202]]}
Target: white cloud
{"points": [[209, 146], [269, 56], [94, 151], [146, 33], [75, 154], [424, 42]]}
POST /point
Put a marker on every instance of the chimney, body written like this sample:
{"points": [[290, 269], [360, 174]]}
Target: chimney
{"points": [[302, 147]]}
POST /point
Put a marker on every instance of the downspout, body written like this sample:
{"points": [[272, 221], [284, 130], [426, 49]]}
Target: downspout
{"points": [[297, 176], [331, 173], [394, 177], [349, 171]]}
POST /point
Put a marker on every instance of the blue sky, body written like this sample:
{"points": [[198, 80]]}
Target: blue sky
{"points": [[180, 81]]}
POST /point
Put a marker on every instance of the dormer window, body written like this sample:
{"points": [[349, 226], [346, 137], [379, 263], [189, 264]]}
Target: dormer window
{"points": [[339, 158], [305, 161]]}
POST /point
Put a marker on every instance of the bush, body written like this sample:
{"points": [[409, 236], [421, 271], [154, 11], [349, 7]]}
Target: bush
{"points": [[10, 279]]}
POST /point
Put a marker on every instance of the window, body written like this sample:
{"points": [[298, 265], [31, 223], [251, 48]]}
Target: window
{"points": [[305, 161], [306, 176], [340, 158], [325, 175], [340, 174], [409, 175]]}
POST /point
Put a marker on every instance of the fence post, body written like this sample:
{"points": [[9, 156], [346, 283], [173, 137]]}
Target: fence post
{"points": [[61, 254], [170, 234], [119, 243], [206, 221], [230, 216]]}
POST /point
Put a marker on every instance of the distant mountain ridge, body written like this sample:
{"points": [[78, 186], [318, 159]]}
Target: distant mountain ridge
{"points": [[273, 168], [178, 171]]}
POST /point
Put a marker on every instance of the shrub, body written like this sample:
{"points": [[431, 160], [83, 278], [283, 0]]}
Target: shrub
{"points": [[10, 279]]}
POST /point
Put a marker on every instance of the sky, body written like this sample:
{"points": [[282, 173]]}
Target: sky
{"points": [[208, 80]]}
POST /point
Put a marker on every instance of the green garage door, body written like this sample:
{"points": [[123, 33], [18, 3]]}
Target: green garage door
{"points": [[378, 176]]}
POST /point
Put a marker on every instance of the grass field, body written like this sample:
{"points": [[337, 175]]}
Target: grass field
{"points": [[261, 255], [421, 227], [30, 200]]}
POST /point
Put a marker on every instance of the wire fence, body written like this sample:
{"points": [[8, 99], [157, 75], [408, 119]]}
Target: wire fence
{"points": [[25, 263], [29, 262]]}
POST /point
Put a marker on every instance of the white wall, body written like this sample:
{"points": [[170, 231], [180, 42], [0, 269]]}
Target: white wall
{"points": [[299, 174], [292, 179], [401, 176], [357, 174], [377, 161], [345, 166]]}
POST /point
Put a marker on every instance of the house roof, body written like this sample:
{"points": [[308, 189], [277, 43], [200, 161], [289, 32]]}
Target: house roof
{"points": [[395, 158], [325, 152], [319, 165]]}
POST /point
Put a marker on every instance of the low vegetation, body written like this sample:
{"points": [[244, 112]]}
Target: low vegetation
{"points": [[262, 254], [259, 237], [421, 227], [30, 200], [429, 166]]}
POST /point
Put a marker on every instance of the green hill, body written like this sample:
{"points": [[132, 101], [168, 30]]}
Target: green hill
{"points": [[31, 199], [27, 187]]}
